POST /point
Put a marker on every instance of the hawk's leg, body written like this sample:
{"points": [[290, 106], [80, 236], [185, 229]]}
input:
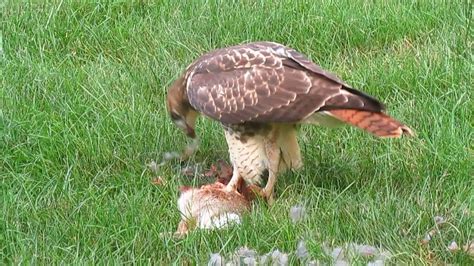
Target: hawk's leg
{"points": [[234, 181], [273, 153]]}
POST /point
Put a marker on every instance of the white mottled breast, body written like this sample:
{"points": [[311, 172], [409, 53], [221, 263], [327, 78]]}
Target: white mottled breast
{"points": [[249, 157]]}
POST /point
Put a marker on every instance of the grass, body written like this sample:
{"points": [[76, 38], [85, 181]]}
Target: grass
{"points": [[82, 111]]}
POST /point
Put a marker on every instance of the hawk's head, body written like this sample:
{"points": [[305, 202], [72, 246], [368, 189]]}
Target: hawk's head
{"points": [[181, 112]]}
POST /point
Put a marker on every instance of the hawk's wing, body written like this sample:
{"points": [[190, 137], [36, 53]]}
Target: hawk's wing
{"points": [[267, 82]]}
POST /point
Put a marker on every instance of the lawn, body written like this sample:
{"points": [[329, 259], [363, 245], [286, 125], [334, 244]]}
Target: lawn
{"points": [[82, 112]]}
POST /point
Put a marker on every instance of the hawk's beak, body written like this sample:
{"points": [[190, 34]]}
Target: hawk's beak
{"points": [[190, 132]]}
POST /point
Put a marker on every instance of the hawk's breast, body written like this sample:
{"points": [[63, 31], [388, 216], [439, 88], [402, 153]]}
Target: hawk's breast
{"points": [[248, 155]]}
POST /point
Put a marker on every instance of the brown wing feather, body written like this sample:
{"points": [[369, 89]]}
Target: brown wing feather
{"points": [[267, 82]]}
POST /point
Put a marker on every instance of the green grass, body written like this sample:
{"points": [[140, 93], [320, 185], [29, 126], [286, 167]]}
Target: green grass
{"points": [[82, 111]]}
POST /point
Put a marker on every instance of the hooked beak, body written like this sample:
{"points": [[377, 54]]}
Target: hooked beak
{"points": [[190, 132]]}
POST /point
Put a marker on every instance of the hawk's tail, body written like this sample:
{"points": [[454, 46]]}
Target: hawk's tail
{"points": [[379, 124]]}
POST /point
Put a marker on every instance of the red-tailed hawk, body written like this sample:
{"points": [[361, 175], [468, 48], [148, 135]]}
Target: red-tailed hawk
{"points": [[260, 92]]}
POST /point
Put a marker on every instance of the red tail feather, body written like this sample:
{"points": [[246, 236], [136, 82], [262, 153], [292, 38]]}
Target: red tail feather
{"points": [[379, 124]]}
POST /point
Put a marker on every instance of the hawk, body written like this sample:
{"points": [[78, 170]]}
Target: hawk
{"points": [[261, 92]]}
